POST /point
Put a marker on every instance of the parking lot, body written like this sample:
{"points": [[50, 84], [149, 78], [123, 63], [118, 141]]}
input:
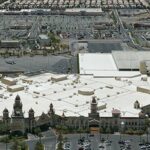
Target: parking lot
{"points": [[70, 26], [109, 141], [57, 64], [62, 4]]}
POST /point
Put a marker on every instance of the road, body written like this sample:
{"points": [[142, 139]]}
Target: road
{"points": [[49, 143], [125, 33], [48, 139], [57, 64], [122, 29]]}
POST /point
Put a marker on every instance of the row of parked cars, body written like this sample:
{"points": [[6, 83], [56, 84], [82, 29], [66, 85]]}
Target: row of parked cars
{"points": [[125, 3], [67, 146], [84, 144], [26, 4], [144, 146], [125, 145], [29, 4]]}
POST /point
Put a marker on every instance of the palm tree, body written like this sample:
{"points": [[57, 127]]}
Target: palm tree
{"points": [[39, 146], [60, 142], [19, 145], [37, 131]]}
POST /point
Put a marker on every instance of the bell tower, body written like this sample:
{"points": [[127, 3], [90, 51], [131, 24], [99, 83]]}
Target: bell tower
{"points": [[51, 111], [94, 114], [31, 119], [17, 117], [18, 106], [94, 117], [5, 115]]}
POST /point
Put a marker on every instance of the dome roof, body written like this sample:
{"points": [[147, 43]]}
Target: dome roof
{"points": [[5, 110], [63, 114], [17, 103], [116, 111], [17, 97], [141, 114], [93, 99], [51, 105], [31, 110]]}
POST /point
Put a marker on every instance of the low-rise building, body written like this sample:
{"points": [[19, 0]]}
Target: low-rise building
{"points": [[9, 43], [8, 81], [18, 123], [15, 88], [44, 40], [87, 102]]}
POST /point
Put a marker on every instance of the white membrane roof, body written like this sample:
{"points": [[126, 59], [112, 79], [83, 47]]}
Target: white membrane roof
{"points": [[118, 94], [90, 63]]}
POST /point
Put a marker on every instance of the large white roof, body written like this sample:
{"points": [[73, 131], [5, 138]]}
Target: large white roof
{"points": [[93, 10], [111, 74], [90, 63], [117, 94], [130, 59], [100, 64]]}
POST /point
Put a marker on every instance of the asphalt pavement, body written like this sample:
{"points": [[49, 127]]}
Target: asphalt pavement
{"points": [[95, 141], [56, 64], [49, 140]]}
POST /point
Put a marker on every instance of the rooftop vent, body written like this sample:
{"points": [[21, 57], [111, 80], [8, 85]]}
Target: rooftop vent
{"points": [[36, 92], [118, 92], [109, 86], [136, 104]]}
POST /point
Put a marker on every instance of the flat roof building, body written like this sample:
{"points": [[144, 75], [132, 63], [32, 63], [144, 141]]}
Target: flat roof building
{"points": [[15, 88], [114, 64], [8, 81], [130, 60], [90, 63], [9, 43], [73, 11], [75, 93], [44, 40]]}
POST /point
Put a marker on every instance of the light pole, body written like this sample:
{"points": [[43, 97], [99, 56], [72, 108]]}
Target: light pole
{"points": [[140, 127], [6, 142], [147, 130], [121, 127], [100, 137], [6, 133], [99, 131]]}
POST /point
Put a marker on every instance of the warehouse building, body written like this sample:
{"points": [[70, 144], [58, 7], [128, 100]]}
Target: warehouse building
{"points": [[9, 43]]}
